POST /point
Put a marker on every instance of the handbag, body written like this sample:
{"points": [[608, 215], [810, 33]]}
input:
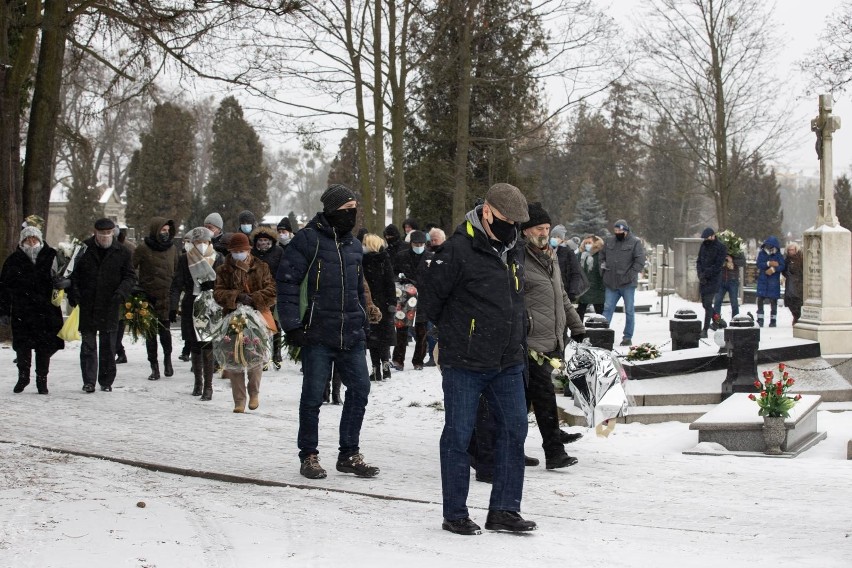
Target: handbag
{"points": [[71, 328], [266, 313]]}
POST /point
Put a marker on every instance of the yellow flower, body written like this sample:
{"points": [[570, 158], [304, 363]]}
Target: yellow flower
{"points": [[128, 315], [128, 305], [144, 304], [143, 312]]}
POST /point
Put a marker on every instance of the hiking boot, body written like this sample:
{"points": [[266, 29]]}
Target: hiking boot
{"points": [[429, 363], [626, 342], [508, 521], [567, 438], [562, 460], [89, 388], [530, 462], [311, 468], [355, 464], [120, 358], [461, 526], [772, 322], [106, 388]]}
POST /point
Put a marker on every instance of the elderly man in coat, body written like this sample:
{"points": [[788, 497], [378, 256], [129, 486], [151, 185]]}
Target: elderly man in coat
{"points": [[102, 280], [711, 259]]}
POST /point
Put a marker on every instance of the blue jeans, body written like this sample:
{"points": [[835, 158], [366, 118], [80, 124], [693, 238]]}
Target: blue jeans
{"points": [[504, 390], [316, 367], [732, 287], [611, 299]]}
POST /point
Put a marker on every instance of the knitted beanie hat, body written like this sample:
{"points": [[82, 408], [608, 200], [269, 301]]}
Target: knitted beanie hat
{"points": [[538, 216], [335, 196]]}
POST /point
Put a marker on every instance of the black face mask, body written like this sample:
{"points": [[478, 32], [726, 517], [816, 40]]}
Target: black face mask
{"points": [[620, 236], [504, 231], [164, 237], [343, 220]]}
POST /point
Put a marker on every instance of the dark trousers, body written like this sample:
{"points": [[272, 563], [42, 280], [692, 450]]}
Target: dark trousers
{"points": [[165, 335], [504, 390], [316, 368], [581, 309], [542, 396], [419, 344], [42, 360], [97, 357], [119, 338], [709, 310], [773, 307]]}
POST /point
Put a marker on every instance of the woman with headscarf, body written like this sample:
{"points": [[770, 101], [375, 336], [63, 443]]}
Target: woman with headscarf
{"points": [[26, 289], [195, 273]]}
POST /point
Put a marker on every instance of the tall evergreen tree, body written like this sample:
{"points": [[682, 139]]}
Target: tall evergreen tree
{"points": [[82, 210], [620, 188], [238, 175], [843, 200], [589, 214], [503, 43], [158, 179], [757, 197]]}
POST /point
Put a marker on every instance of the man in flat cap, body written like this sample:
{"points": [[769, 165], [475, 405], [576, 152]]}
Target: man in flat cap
{"points": [[103, 278], [473, 291]]}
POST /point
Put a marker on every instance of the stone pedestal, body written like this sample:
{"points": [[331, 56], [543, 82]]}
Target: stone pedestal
{"points": [[599, 332], [827, 311], [685, 330], [685, 274], [744, 339]]}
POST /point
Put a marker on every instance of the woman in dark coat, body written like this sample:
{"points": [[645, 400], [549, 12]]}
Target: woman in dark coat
{"points": [[26, 289], [196, 271], [264, 247], [378, 272], [794, 290]]}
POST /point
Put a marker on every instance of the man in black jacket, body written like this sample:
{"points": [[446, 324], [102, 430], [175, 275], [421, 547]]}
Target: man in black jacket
{"points": [[474, 291], [409, 265], [102, 279], [711, 259]]}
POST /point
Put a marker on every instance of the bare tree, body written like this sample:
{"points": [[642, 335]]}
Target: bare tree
{"points": [[830, 64], [708, 72]]}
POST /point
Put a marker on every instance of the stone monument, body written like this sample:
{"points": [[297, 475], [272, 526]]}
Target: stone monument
{"points": [[827, 310]]}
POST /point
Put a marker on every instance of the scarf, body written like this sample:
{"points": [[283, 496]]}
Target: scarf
{"points": [[201, 267], [587, 259], [241, 274]]}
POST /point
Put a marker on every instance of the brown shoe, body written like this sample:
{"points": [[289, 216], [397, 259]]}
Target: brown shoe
{"points": [[311, 468], [254, 402], [239, 409]]}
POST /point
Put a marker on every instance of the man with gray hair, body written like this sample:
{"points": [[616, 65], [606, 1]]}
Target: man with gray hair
{"points": [[473, 290]]}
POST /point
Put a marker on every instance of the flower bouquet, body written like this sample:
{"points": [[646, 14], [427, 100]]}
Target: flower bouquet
{"points": [[242, 340], [206, 316], [139, 319], [732, 242], [643, 352], [773, 399]]}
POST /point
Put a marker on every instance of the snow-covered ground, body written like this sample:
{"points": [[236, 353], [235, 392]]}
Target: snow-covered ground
{"points": [[633, 500]]}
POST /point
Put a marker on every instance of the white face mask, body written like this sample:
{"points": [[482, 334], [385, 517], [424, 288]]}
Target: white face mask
{"points": [[284, 238], [242, 255], [187, 247], [588, 247], [201, 247]]}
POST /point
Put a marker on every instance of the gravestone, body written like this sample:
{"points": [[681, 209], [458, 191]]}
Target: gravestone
{"points": [[827, 310], [685, 273], [742, 339]]}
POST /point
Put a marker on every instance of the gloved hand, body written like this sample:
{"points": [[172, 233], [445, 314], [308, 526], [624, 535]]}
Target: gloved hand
{"points": [[579, 337], [296, 337], [117, 299], [209, 285], [71, 302], [245, 299], [60, 283], [374, 314], [173, 316], [5, 321]]}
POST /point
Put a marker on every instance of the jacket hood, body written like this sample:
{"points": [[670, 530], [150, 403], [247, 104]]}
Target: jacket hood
{"points": [[773, 242], [264, 231], [597, 243], [391, 230], [475, 218], [157, 223]]}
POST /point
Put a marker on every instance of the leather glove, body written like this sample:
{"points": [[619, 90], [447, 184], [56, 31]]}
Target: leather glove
{"points": [[5, 321], [60, 283], [245, 299], [209, 285], [374, 314], [579, 337], [173, 316], [72, 302], [296, 337]]}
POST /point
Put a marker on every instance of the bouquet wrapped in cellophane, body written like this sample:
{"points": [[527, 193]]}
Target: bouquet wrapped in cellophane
{"points": [[242, 340], [206, 316]]}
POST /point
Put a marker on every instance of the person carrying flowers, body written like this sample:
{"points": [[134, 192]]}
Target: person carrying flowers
{"points": [[242, 280], [770, 265]]}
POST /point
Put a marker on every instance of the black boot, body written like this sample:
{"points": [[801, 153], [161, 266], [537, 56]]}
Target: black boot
{"points": [[41, 384], [167, 365], [772, 322], [155, 372], [197, 370], [207, 367], [23, 380], [386, 370], [277, 340], [759, 319]]}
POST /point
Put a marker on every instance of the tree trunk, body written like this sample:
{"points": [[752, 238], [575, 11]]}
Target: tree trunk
{"points": [[44, 113], [463, 114], [378, 111], [398, 59], [721, 185]]}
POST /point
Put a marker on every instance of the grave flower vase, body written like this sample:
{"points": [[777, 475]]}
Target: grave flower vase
{"points": [[774, 433]]}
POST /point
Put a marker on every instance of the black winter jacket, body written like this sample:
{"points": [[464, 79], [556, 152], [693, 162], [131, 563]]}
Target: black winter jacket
{"points": [[378, 272], [335, 312], [711, 259], [476, 298], [102, 279], [573, 279], [25, 293]]}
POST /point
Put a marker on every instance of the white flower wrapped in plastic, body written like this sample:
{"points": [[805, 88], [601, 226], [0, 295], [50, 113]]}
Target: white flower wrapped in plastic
{"points": [[242, 340], [206, 316]]}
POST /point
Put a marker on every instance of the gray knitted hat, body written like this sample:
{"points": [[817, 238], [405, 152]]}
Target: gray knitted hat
{"points": [[214, 219], [199, 234], [30, 231]]}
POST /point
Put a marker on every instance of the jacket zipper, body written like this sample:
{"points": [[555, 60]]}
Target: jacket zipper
{"points": [[342, 287]]}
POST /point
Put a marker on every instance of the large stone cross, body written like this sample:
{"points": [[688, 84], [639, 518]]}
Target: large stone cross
{"points": [[824, 126]]}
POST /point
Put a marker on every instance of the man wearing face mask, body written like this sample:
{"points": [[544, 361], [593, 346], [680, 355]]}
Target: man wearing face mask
{"points": [[409, 265], [573, 279], [102, 280], [622, 260], [285, 232], [330, 324], [473, 291], [214, 223], [156, 261], [247, 222], [265, 249]]}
